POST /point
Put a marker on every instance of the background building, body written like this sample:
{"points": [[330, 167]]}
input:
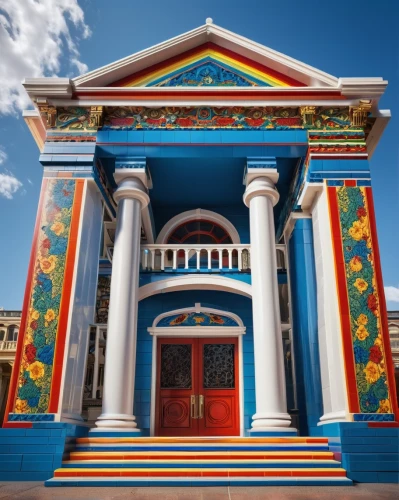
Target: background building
{"points": [[9, 328]]}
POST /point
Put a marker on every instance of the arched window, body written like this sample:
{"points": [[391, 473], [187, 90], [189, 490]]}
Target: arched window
{"points": [[2, 334], [199, 231]]}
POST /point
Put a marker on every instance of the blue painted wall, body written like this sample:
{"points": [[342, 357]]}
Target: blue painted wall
{"points": [[304, 312], [157, 304]]}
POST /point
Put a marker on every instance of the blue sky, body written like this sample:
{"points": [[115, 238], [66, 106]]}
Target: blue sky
{"points": [[351, 38]]}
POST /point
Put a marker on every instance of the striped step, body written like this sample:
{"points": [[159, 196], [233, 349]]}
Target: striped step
{"points": [[202, 455], [200, 472], [198, 463], [199, 482], [132, 461]]}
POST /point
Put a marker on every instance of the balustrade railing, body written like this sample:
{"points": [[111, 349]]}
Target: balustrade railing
{"points": [[8, 345], [207, 258]]}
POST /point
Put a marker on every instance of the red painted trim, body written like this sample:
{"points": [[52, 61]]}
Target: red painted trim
{"points": [[135, 93], [382, 303], [65, 299], [335, 156], [211, 46], [340, 275], [25, 308], [382, 424], [17, 425], [350, 183]]}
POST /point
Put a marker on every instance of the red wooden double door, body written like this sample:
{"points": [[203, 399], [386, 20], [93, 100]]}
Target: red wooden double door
{"points": [[197, 387]]}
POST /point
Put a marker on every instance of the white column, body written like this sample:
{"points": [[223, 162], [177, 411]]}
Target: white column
{"points": [[270, 391], [120, 357]]}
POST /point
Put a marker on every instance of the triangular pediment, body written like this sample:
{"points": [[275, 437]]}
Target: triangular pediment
{"points": [[208, 66], [208, 56]]}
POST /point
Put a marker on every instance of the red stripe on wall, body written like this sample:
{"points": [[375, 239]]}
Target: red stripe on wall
{"points": [[65, 300], [340, 273], [382, 303], [25, 307]]}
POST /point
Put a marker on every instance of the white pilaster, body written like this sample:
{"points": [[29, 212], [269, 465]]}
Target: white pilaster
{"points": [[120, 357], [270, 392]]}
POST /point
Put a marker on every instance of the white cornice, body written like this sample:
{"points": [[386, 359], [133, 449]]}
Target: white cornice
{"points": [[194, 38], [48, 87]]}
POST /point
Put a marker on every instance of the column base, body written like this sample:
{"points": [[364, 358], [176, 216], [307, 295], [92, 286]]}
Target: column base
{"points": [[265, 421], [333, 417], [116, 422], [273, 431]]}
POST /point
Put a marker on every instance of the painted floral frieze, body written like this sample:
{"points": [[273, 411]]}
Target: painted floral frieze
{"points": [[36, 368], [363, 299]]}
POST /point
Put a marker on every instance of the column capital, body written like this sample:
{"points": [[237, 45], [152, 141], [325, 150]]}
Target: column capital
{"points": [[132, 166], [261, 186], [132, 188]]}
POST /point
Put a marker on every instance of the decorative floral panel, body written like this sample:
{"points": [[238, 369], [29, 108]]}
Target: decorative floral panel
{"points": [[362, 299], [77, 119], [197, 319], [40, 335]]}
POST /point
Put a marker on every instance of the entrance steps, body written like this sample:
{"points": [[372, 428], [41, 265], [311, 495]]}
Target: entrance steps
{"points": [[130, 461]]}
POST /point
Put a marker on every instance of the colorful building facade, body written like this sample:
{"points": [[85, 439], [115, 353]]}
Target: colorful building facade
{"points": [[207, 210]]}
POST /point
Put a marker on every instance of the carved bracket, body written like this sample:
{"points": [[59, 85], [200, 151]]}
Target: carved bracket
{"points": [[307, 113], [359, 114], [96, 116], [48, 114]]}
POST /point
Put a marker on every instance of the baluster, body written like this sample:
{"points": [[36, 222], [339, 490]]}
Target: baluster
{"points": [[209, 259], [145, 259], [230, 259], [162, 260], [153, 260], [186, 252], [198, 259], [240, 259], [220, 259], [174, 259]]}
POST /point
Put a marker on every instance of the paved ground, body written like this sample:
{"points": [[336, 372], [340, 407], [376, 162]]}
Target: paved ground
{"points": [[36, 490]]}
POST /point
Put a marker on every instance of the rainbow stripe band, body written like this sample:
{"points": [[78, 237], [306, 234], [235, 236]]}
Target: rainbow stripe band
{"points": [[258, 74]]}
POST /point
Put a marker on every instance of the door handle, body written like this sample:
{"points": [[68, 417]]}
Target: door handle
{"points": [[193, 406], [201, 406]]}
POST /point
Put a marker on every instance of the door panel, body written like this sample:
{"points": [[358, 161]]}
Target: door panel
{"points": [[218, 384], [197, 387]]}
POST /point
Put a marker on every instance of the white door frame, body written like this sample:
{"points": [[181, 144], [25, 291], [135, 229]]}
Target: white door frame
{"points": [[197, 332]]}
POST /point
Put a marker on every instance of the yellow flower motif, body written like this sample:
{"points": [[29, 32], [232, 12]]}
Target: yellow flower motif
{"points": [[385, 406], [21, 406], [372, 372], [47, 264], [34, 314], [361, 285], [362, 319], [356, 231], [378, 341], [362, 333], [58, 228], [50, 315], [198, 319], [356, 264], [29, 336], [382, 366], [36, 370]]}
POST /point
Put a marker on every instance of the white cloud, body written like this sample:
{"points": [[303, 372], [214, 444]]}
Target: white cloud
{"points": [[34, 36], [29, 181], [9, 185], [3, 155], [391, 293]]}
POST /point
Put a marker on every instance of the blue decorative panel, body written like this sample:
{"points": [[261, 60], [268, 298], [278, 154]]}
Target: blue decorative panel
{"points": [[374, 417]]}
